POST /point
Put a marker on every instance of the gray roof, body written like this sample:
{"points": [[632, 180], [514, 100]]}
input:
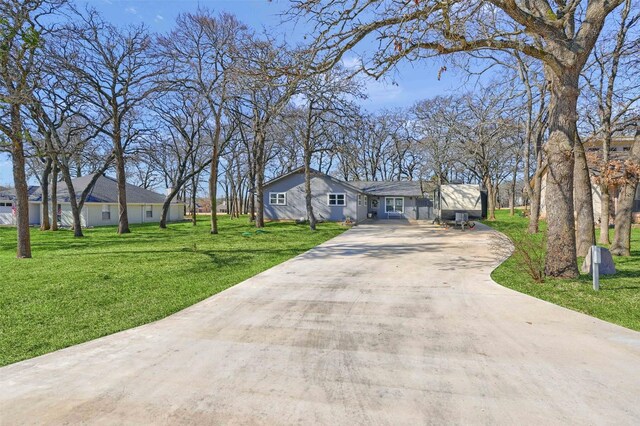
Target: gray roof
{"points": [[400, 188], [105, 190], [9, 194]]}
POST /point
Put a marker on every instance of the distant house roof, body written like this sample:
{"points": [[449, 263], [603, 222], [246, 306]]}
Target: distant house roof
{"points": [[10, 193], [400, 188], [105, 190]]}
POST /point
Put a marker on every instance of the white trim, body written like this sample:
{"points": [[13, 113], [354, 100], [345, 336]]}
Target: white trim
{"points": [[394, 212], [344, 199], [278, 203]]}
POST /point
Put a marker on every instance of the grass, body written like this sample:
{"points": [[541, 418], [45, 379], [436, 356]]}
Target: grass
{"points": [[74, 290], [618, 300]]}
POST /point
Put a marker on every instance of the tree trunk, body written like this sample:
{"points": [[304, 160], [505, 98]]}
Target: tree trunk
{"points": [[45, 225], [54, 196], [585, 232], [536, 196], [194, 191], [307, 191], [621, 245], [20, 182], [166, 205], [561, 259], [260, 198], [121, 178], [260, 166], [604, 190], [75, 209], [213, 191], [491, 200], [512, 198]]}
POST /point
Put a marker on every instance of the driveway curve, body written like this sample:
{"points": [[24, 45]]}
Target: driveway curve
{"points": [[385, 324]]}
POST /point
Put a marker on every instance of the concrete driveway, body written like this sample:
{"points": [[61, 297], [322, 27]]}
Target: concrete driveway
{"points": [[386, 324]]}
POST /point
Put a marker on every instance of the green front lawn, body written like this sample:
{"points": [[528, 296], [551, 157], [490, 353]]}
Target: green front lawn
{"points": [[74, 290], [618, 300]]}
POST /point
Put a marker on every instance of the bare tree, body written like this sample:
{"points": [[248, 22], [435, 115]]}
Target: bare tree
{"points": [[436, 135], [622, 236], [562, 38], [180, 147], [113, 74], [611, 81], [270, 75], [489, 139], [327, 100], [21, 37]]}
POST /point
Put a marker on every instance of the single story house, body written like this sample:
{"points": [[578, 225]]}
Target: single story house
{"points": [[8, 206], [337, 200], [101, 205]]}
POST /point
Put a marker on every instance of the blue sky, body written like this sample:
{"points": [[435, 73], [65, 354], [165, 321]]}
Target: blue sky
{"points": [[414, 81]]}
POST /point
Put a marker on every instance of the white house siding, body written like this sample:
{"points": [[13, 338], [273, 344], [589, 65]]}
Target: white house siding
{"points": [[6, 213], [34, 213], [460, 197], [91, 214], [7, 217], [596, 197]]}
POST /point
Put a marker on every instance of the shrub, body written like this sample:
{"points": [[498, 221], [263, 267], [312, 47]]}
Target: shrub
{"points": [[528, 252]]}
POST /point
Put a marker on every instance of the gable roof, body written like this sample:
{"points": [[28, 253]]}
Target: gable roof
{"points": [[400, 188], [375, 188], [9, 194], [105, 190], [313, 172]]}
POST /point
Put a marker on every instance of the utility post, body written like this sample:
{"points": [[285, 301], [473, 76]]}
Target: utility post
{"points": [[596, 259]]}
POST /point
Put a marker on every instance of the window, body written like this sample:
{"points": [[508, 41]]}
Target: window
{"points": [[6, 204], [362, 200], [278, 198], [336, 200], [394, 205], [106, 212], [149, 212]]}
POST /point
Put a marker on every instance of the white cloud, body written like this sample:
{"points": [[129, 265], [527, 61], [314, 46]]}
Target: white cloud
{"points": [[132, 10], [159, 18], [351, 63]]}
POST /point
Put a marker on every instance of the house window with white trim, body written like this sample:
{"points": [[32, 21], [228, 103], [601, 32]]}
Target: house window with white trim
{"points": [[278, 198], [106, 212], [336, 199], [394, 205], [149, 212]]}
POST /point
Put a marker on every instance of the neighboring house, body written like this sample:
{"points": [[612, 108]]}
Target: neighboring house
{"points": [[101, 205], [619, 152], [337, 200], [221, 206], [8, 206]]}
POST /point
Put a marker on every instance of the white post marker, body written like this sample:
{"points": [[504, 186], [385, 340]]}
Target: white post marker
{"points": [[596, 259]]}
